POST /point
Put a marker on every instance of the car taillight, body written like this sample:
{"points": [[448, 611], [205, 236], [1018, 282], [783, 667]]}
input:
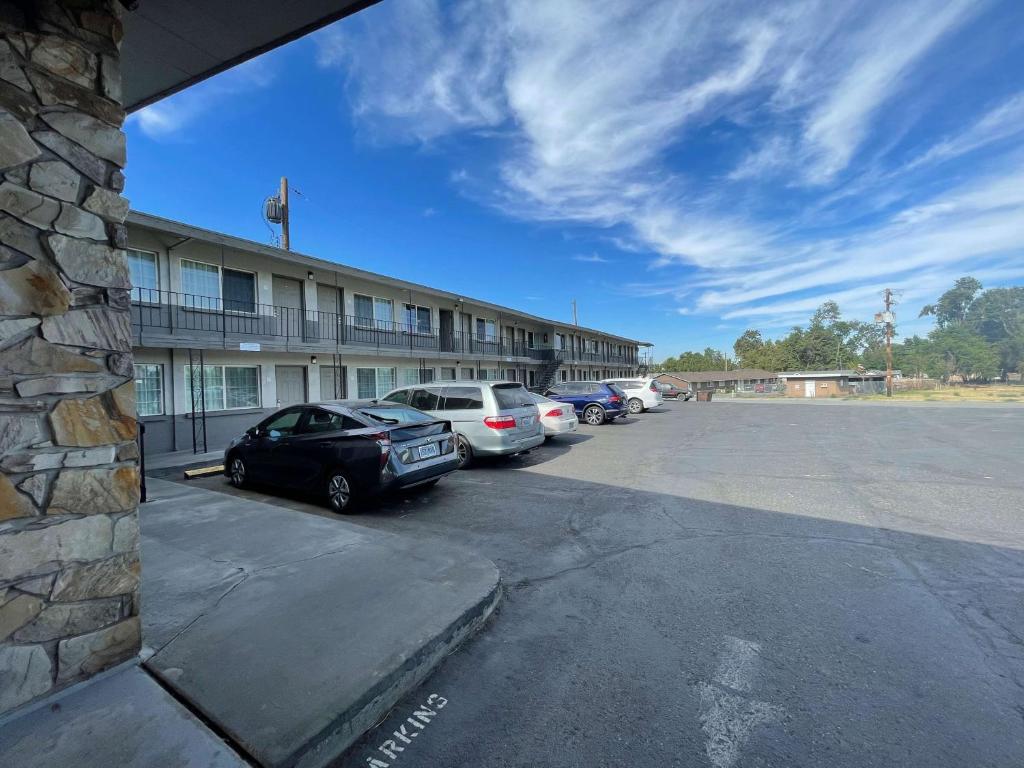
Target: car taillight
{"points": [[383, 441], [554, 412], [653, 388], [500, 422], [614, 399]]}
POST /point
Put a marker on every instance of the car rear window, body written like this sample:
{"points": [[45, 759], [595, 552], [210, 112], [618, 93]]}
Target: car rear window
{"points": [[617, 390], [462, 399], [396, 415], [511, 396]]}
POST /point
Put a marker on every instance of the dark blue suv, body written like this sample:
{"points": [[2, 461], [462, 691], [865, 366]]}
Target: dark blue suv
{"points": [[594, 402]]}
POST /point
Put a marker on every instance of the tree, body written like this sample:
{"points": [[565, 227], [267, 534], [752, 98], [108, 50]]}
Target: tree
{"points": [[953, 306], [959, 351]]}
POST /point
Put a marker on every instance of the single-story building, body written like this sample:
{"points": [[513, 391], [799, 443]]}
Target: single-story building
{"points": [[836, 383], [736, 380]]}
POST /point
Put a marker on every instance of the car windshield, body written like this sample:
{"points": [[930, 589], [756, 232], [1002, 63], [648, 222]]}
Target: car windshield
{"points": [[512, 396], [396, 415]]}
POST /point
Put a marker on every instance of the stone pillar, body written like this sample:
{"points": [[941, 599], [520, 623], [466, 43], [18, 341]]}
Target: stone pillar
{"points": [[69, 551]]}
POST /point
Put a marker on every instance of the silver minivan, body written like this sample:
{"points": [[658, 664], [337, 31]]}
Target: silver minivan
{"points": [[490, 418]]}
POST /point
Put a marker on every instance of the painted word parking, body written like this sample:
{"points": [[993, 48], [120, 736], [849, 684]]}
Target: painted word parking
{"points": [[403, 736]]}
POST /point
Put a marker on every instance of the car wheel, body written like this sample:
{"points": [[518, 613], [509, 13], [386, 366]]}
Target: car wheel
{"points": [[339, 492], [636, 405], [465, 451], [239, 472], [594, 415]]}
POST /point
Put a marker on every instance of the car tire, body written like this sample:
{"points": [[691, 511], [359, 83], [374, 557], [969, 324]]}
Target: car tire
{"points": [[594, 415], [636, 405], [465, 451], [339, 492], [239, 472]]}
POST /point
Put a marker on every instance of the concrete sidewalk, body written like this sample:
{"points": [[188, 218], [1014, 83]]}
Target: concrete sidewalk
{"points": [[123, 718], [292, 633]]}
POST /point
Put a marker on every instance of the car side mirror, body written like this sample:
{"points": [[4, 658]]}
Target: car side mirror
{"points": [[273, 434]]}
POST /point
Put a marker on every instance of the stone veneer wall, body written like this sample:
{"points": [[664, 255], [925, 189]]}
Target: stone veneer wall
{"points": [[69, 564]]}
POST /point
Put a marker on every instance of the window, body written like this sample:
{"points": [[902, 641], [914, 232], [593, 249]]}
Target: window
{"points": [[401, 397], [372, 312], [489, 374], [467, 374], [510, 374], [323, 421], [284, 423], [417, 319], [512, 396], [485, 330], [204, 285], [149, 389], [239, 290], [144, 277], [564, 375], [409, 376], [463, 399], [374, 382], [226, 387], [448, 374], [199, 281], [426, 399]]}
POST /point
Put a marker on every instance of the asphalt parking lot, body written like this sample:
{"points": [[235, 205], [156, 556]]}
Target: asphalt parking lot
{"points": [[749, 584]]}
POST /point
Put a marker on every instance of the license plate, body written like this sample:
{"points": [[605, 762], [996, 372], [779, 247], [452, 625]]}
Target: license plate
{"points": [[428, 450], [526, 421]]}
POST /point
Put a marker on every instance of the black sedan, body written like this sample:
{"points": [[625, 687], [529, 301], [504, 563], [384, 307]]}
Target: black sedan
{"points": [[344, 450]]}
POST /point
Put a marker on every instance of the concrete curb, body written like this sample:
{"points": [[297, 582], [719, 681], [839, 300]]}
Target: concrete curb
{"points": [[379, 700]]}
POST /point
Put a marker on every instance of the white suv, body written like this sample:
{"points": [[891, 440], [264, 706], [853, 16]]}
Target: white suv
{"points": [[641, 393]]}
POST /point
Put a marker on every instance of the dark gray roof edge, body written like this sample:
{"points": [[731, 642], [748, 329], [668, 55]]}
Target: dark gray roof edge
{"points": [[142, 219]]}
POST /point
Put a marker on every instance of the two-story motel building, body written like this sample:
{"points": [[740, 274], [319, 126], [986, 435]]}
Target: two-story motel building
{"points": [[275, 327]]}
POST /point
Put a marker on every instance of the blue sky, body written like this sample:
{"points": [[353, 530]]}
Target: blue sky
{"points": [[684, 170]]}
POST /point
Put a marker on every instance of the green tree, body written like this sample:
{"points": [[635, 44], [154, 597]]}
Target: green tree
{"points": [[959, 351], [953, 306]]}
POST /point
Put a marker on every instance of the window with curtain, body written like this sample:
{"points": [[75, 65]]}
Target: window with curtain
{"points": [[447, 374], [416, 318], [239, 291], [384, 313], [201, 284], [485, 329], [374, 382], [363, 310], [149, 386], [225, 386], [489, 374], [143, 274], [467, 374]]}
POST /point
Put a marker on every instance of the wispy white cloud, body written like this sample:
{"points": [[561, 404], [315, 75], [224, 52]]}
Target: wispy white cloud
{"points": [[1004, 121], [169, 119], [588, 104], [590, 258]]}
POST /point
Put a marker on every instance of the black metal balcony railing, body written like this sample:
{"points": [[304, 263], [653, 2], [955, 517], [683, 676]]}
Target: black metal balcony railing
{"points": [[157, 313]]}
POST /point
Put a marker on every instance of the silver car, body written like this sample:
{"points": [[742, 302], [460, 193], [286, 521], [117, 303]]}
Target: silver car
{"points": [[490, 418]]}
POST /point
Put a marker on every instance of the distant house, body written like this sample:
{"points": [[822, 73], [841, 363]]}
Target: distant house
{"points": [[736, 380], [833, 383]]}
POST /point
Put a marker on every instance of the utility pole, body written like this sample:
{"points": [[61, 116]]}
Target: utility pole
{"points": [[575, 319], [888, 342], [284, 214]]}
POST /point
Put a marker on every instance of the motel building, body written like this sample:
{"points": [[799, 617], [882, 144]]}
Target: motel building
{"points": [[226, 330]]}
